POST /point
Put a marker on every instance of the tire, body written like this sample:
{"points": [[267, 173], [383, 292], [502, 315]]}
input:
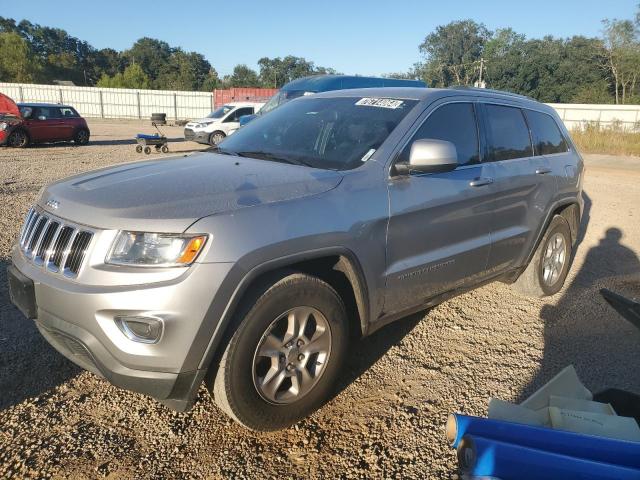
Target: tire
{"points": [[81, 137], [18, 139], [239, 383], [545, 276], [216, 137], [159, 118], [147, 150], [165, 149], [139, 148]]}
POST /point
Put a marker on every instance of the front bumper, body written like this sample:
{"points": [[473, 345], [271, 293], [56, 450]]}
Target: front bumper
{"points": [[193, 136], [4, 136], [78, 321]]}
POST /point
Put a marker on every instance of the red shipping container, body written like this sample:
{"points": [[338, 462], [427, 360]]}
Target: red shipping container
{"points": [[220, 97]]}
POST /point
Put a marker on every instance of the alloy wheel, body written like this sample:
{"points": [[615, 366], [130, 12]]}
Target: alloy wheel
{"points": [[555, 256], [292, 355]]}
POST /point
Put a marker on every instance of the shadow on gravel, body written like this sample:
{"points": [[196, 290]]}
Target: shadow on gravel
{"points": [[367, 351], [29, 366], [581, 329]]}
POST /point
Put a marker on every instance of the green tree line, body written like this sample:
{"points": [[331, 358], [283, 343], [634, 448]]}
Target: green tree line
{"points": [[32, 53], [605, 69], [571, 70]]}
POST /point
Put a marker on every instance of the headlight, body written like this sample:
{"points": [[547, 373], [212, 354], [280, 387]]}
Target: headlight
{"points": [[155, 249], [3, 126]]}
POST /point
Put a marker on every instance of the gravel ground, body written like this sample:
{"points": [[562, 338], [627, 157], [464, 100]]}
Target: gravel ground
{"points": [[399, 385]]}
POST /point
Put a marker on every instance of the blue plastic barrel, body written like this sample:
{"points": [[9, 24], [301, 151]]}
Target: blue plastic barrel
{"points": [[478, 456], [589, 447]]}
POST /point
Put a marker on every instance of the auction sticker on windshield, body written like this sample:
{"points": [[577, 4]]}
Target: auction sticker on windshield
{"points": [[380, 102]]}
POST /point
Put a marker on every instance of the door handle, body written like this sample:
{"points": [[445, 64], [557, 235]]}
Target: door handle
{"points": [[542, 171], [479, 182]]}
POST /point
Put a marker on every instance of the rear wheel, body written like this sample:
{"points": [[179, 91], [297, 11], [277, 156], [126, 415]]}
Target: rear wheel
{"points": [[548, 269], [81, 137], [147, 150], [18, 139], [139, 148], [165, 149], [282, 361], [216, 137]]}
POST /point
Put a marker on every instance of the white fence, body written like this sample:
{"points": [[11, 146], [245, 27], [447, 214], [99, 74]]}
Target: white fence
{"points": [[128, 103], [577, 115], [115, 102]]}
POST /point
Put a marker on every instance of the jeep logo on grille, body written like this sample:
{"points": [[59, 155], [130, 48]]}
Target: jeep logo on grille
{"points": [[53, 203]]}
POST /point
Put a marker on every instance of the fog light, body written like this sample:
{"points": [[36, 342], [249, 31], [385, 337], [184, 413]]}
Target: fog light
{"points": [[140, 329]]}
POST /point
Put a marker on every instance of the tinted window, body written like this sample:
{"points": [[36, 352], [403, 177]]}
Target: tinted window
{"points": [[68, 112], [238, 113], [547, 138], [507, 132], [455, 123], [48, 112], [329, 132]]}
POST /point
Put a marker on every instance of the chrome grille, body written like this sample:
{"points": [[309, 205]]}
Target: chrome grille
{"points": [[53, 243]]}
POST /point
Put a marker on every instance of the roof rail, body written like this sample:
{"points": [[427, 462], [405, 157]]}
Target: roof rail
{"points": [[490, 90]]}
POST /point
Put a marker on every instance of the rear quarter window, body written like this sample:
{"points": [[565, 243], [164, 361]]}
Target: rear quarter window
{"points": [[507, 133], [547, 137]]}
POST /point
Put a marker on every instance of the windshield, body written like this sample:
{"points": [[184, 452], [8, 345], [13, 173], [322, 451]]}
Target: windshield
{"points": [[283, 96], [331, 133], [221, 112]]}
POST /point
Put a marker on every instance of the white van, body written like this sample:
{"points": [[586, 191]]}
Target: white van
{"points": [[220, 123]]}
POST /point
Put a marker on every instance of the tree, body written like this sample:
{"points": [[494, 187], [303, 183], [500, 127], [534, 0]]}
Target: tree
{"points": [[17, 62], [132, 77], [152, 55], [452, 53], [183, 71], [622, 56], [242, 76], [275, 72], [211, 81]]}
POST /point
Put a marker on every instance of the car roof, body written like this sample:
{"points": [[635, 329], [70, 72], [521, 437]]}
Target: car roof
{"points": [[59, 105], [323, 83], [243, 104], [432, 94]]}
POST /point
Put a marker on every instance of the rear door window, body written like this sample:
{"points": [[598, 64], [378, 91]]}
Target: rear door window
{"points": [[547, 137], [455, 123], [68, 112], [507, 133]]}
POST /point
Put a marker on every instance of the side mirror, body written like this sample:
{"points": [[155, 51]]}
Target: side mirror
{"points": [[429, 156], [42, 117]]}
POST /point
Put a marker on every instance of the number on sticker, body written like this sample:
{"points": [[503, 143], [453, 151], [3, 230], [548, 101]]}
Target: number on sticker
{"points": [[380, 102]]}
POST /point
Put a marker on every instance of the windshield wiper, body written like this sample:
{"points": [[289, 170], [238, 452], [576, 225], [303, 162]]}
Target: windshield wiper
{"points": [[270, 156]]}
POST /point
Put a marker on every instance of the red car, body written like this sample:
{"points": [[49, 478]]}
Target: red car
{"points": [[26, 123]]}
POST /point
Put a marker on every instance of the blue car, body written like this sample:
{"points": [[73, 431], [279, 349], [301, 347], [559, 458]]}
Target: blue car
{"points": [[324, 83]]}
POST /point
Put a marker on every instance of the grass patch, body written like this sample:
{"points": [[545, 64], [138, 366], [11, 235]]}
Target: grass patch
{"points": [[612, 141]]}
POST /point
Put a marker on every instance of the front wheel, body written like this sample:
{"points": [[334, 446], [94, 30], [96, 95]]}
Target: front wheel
{"points": [[18, 139], [282, 361], [215, 138], [548, 269]]}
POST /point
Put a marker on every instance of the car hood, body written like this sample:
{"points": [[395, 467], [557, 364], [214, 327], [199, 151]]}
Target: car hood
{"points": [[170, 194], [8, 107], [206, 121]]}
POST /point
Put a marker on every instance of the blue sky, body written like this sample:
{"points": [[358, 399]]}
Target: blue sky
{"points": [[352, 36]]}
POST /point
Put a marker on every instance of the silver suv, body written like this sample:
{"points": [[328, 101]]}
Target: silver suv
{"points": [[251, 267]]}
